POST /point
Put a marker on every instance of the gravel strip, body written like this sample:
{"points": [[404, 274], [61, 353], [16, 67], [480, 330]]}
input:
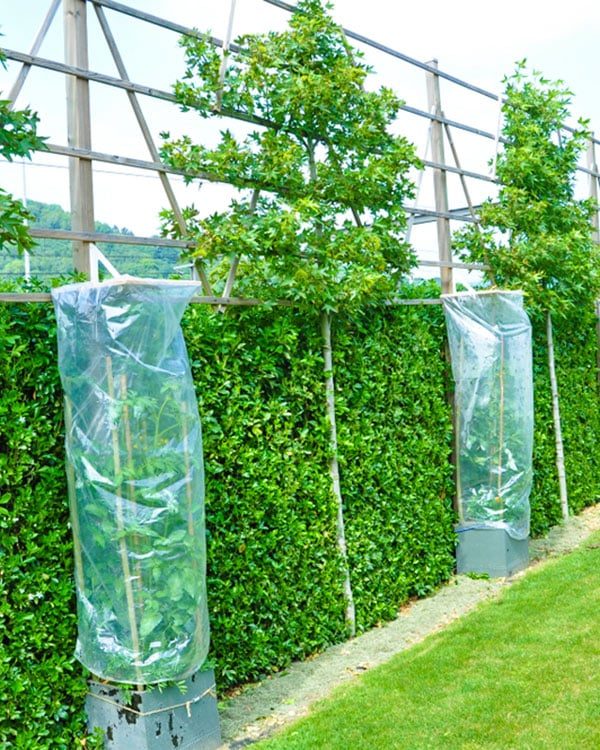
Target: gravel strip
{"points": [[258, 710]]}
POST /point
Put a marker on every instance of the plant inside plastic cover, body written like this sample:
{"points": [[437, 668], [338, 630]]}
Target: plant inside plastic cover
{"points": [[490, 344], [135, 475]]}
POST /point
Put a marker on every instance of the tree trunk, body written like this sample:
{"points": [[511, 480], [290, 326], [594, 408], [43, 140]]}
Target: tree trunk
{"points": [[335, 471], [560, 456]]}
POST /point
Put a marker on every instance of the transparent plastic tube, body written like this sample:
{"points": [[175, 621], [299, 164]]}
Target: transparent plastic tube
{"points": [[490, 344], [135, 475]]}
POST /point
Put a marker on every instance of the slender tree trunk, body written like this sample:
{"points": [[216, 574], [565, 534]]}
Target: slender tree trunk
{"points": [[560, 456], [598, 340], [334, 469]]}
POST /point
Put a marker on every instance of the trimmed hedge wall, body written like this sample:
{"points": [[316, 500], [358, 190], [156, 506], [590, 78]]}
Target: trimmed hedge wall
{"points": [[577, 377], [275, 584], [41, 689], [395, 436]]}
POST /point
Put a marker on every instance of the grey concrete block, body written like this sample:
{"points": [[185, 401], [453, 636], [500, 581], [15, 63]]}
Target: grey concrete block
{"points": [[490, 551], [157, 719]]}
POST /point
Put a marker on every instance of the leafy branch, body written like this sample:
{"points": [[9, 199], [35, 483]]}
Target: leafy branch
{"points": [[326, 230], [18, 137]]}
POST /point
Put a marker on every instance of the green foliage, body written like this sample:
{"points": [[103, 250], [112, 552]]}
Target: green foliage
{"points": [[41, 685], [545, 243], [575, 352], [274, 572], [274, 575], [395, 433], [18, 137], [13, 223], [326, 229], [51, 258]]}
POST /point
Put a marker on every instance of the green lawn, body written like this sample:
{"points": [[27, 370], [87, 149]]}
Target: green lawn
{"points": [[520, 672]]}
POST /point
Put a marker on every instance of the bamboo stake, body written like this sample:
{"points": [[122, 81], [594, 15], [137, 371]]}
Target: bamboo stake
{"points": [[560, 457], [130, 486], [457, 417], [73, 504], [121, 527], [188, 474], [501, 425], [335, 471], [190, 503]]}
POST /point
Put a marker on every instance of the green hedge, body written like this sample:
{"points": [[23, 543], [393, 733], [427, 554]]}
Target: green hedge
{"points": [[41, 689], [576, 374], [395, 433], [275, 580], [274, 577]]}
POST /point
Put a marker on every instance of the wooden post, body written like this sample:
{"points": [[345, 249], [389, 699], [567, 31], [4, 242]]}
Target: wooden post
{"points": [[334, 470], [560, 455], [79, 130], [439, 179]]}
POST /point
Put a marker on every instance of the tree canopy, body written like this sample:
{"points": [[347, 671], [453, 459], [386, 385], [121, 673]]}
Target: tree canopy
{"points": [[319, 218], [537, 236]]}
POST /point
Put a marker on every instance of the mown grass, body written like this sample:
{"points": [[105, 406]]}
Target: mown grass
{"points": [[520, 672]]}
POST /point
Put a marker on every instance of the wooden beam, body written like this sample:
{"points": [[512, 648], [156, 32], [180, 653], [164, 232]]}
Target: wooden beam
{"points": [[439, 179], [141, 15], [139, 116], [86, 74], [118, 239], [79, 131], [25, 68]]}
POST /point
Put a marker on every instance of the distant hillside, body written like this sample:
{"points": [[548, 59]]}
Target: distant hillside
{"points": [[54, 257]]}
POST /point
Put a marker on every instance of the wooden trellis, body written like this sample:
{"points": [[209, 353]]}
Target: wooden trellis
{"points": [[75, 68]]}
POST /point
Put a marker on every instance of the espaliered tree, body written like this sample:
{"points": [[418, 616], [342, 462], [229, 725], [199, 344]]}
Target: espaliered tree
{"points": [[18, 137], [319, 219], [537, 236]]}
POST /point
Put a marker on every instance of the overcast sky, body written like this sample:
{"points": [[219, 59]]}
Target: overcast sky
{"points": [[474, 40]]}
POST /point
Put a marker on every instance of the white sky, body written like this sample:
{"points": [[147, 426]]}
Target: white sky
{"points": [[474, 40]]}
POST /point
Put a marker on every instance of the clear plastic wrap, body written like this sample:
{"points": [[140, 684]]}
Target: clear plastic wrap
{"points": [[135, 476], [490, 344]]}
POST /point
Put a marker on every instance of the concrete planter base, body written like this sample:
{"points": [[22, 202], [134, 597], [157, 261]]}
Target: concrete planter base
{"points": [[490, 551], [157, 719]]}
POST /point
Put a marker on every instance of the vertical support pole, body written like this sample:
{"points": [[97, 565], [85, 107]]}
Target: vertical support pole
{"points": [[334, 470], [560, 453], [79, 130], [594, 180], [26, 256], [598, 340], [439, 179]]}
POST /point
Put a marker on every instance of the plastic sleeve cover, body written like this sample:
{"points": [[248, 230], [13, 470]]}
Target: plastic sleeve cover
{"points": [[135, 478], [490, 345]]}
